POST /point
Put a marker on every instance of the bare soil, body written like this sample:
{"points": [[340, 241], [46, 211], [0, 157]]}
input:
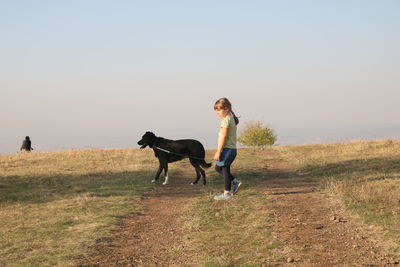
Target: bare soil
{"points": [[156, 237], [315, 229], [312, 227]]}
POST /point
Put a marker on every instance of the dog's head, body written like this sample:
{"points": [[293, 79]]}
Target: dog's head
{"points": [[148, 139]]}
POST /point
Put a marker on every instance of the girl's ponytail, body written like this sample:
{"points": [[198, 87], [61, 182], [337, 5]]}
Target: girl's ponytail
{"points": [[235, 117]]}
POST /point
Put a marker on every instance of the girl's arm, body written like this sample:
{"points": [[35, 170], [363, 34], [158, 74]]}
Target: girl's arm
{"points": [[221, 142]]}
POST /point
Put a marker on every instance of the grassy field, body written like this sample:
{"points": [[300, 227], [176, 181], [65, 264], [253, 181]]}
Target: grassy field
{"points": [[364, 175], [54, 206]]}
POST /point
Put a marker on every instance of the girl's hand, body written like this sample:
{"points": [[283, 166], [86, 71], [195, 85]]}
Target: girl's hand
{"points": [[216, 156]]}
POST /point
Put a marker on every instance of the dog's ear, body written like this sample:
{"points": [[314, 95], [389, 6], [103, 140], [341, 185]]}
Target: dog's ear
{"points": [[150, 134]]}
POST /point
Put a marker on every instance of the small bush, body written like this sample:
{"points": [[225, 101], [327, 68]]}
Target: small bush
{"points": [[256, 134]]}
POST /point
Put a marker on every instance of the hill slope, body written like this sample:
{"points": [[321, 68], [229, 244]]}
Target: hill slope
{"points": [[310, 204]]}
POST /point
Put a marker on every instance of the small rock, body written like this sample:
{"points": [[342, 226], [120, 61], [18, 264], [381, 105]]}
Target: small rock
{"points": [[290, 259], [319, 227], [333, 218]]}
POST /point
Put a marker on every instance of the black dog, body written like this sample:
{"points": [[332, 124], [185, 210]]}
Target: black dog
{"points": [[173, 150]]}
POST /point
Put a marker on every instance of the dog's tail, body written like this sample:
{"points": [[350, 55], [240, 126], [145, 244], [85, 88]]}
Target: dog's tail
{"points": [[204, 164]]}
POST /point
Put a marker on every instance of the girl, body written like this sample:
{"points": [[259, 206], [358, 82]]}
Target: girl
{"points": [[226, 150]]}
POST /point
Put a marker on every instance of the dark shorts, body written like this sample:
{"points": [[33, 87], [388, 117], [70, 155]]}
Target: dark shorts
{"points": [[227, 156]]}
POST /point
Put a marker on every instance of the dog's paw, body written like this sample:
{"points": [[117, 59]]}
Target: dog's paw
{"points": [[192, 183], [153, 181], [165, 183]]}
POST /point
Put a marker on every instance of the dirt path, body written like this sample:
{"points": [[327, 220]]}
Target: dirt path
{"points": [[155, 237], [312, 228]]}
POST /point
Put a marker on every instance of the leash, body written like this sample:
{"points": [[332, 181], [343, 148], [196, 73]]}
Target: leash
{"points": [[177, 154]]}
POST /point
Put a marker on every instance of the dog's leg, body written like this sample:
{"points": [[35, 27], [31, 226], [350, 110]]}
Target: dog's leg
{"points": [[166, 179], [195, 164], [203, 173], [158, 174], [166, 174], [197, 175]]}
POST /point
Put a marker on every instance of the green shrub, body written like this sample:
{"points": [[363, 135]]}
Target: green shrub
{"points": [[256, 134]]}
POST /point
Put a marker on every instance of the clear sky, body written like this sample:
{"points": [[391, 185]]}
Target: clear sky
{"points": [[78, 74]]}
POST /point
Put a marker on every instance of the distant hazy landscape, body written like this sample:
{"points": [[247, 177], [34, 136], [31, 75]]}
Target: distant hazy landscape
{"points": [[10, 145]]}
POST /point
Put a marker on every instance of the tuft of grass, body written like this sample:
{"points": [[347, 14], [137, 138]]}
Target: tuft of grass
{"points": [[54, 205]]}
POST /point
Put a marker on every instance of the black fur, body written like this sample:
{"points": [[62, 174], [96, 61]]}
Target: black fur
{"points": [[187, 147]]}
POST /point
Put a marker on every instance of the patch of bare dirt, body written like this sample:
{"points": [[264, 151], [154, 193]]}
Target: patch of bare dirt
{"points": [[155, 237], [314, 229]]}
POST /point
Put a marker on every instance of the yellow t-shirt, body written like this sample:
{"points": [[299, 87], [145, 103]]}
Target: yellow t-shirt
{"points": [[229, 122]]}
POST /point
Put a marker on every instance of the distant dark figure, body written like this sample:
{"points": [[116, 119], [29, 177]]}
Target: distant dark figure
{"points": [[26, 145]]}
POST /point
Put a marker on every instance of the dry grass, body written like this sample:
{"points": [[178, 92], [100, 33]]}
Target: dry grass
{"points": [[76, 162], [235, 232], [54, 205], [231, 233], [366, 174]]}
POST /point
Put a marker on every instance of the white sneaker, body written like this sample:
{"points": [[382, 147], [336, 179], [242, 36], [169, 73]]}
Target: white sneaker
{"points": [[225, 195]]}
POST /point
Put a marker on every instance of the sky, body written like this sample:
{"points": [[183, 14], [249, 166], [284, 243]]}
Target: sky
{"points": [[99, 74]]}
